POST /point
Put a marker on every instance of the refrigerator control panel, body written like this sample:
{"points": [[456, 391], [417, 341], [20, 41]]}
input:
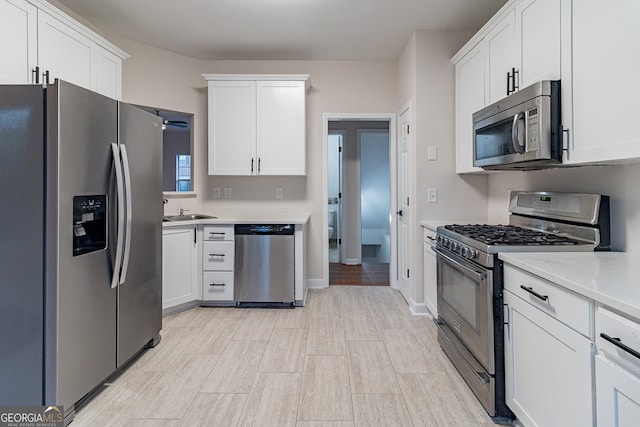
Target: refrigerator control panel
{"points": [[89, 224]]}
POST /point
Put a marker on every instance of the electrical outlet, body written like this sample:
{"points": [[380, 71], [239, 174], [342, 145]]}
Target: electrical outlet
{"points": [[216, 192], [227, 192], [432, 195], [279, 192]]}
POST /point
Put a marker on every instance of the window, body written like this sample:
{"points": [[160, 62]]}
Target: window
{"points": [[183, 172]]}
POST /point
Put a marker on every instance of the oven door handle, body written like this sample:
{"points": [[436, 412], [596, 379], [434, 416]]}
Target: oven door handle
{"points": [[478, 275]]}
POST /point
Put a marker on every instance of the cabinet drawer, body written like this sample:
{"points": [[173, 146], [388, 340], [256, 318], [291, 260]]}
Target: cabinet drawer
{"points": [[429, 236], [568, 307], [217, 256], [624, 331], [217, 286], [218, 232]]}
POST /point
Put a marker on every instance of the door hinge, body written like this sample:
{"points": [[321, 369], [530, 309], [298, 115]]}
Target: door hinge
{"points": [[339, 195], [339, 149], [339, 241]]}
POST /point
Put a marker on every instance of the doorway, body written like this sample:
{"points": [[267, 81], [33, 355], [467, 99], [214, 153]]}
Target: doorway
{"points": [[360, 198]]}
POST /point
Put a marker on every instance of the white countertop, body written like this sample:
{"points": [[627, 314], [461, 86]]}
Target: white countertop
{"points": [[245, 219], [610, 278]]}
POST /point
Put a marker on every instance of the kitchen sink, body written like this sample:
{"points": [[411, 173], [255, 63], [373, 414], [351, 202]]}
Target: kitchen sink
{"points": [[187, 217]]}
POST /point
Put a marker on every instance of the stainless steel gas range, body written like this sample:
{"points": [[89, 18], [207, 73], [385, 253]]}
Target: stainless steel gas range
{"points": [[470, 322]]}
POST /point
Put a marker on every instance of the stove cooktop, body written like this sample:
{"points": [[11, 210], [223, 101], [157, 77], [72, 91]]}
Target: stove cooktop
{"points": [[510, 235]]}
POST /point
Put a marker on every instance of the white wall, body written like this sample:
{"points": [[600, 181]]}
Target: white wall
{"points": [[426, 80], [620, 183]]}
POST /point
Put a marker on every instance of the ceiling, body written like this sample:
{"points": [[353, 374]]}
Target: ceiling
{"points": [[281, 29]]}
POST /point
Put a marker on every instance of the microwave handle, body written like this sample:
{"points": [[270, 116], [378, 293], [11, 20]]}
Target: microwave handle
{"points": [[514, 134]]}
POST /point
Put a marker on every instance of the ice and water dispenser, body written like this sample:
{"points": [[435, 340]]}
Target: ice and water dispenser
{"points": [[89, 224]]}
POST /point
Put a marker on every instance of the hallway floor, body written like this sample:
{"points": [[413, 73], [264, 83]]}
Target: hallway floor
{"points": [[365, 274], [353, 356]]}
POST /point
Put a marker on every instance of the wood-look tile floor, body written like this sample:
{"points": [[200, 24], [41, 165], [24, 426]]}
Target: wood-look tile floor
{"points": [[367, 274], [353, 356]]}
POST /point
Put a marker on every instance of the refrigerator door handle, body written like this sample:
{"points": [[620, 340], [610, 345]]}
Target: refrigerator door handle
{"points": [[129, 215], [117, 263]]}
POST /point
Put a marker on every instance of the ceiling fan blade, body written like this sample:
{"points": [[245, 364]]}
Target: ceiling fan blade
{"points": [[176, 123]]}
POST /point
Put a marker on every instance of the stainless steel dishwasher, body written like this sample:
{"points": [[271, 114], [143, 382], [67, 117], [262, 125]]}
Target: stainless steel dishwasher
{"points": [[264, 265]]}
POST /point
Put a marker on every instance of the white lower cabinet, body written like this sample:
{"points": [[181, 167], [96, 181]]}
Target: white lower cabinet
{"points": [[430, 273], [617, 394], [179, 266], [218, 253], [617, 369], [548, 365]]}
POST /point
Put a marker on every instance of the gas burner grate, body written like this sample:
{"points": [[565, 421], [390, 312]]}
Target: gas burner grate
{"points": [[509, 235]]}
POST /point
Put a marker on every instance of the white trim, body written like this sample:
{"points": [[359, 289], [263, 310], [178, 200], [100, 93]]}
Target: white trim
{"points": [[418, 308], [393, 140], [316, 283], [61, 16], [179, 194], [263, 77]]}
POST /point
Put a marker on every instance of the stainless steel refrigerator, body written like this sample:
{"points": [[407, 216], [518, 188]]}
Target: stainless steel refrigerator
{"points": [[80, 240]]}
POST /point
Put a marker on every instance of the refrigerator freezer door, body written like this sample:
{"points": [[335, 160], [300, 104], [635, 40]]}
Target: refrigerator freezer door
{"points": [[21, 244], [80, 304], [140, 291]]}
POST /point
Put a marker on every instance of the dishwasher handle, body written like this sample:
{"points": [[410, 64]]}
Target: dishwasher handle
{"points": [[264, 229]]}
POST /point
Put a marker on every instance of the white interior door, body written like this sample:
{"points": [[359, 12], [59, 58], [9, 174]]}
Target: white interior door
{"points": [[403, 192]]}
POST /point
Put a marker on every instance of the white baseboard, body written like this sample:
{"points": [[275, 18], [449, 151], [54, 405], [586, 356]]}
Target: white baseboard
{"points": [[351, 261], [418, 308], [316, 283]]}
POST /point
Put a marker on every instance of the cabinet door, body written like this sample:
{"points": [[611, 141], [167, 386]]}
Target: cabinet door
{"points": [[281, 136], [548, 368], [232, 128], [606, 87], [617, 395], [179, 266], [502, 56], [430, 280], [19, 47], [538, 28], [108, 73], [64, 52], [470, 97]]}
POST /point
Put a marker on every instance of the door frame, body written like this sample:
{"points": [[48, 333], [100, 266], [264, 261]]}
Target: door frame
{"points": [[391, 119]]}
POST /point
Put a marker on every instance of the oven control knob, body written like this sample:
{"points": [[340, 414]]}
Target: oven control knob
{"points": [[456, 246], [473, 254], [464, 252]]}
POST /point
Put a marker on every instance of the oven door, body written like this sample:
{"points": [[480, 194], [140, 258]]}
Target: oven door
{"points": [[465, 304]]}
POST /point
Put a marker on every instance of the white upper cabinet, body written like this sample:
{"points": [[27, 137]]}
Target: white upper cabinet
{"points": [[45, 41], [19, 47], [257, 124], [538, 29], [599, 108], [470, 97], [502, 57], [281, 127], [232, 127]]}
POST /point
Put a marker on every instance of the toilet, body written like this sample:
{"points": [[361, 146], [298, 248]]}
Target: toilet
{"points": [[331, 215]]}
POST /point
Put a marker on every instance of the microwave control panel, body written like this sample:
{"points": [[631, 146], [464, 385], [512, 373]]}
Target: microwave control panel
{"points": [[533, 130]]}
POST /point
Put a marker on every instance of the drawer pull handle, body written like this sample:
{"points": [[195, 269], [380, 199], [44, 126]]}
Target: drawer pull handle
{"points": [[534, 293], [618, 343], [217, 284], [220, 255], [216, 233]]}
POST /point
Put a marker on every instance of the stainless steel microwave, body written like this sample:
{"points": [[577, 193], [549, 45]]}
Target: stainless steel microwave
{"points": [[522, 131]]}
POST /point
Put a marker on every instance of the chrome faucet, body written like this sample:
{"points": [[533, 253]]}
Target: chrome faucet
{"points": [[182, 211]]}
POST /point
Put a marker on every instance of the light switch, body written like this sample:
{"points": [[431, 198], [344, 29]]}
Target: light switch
{"points": [[432, 152], [216, 192], [227, 192]]}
